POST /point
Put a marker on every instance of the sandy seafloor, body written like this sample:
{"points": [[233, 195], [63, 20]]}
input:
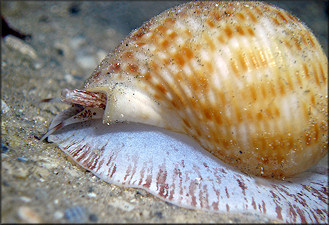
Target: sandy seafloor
{"points": [[39, 183]]}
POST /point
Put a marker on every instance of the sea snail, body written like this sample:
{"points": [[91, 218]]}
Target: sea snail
{"points": [[246, 80]]}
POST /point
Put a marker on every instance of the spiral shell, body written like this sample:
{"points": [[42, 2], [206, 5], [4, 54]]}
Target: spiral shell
{"points": [[247, 80]]}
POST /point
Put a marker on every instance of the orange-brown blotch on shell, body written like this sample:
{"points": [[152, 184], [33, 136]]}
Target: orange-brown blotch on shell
{"points": [[247, 80]]}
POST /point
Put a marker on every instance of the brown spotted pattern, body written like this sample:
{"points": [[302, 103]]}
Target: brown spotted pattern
{"points": [[247, 80]]}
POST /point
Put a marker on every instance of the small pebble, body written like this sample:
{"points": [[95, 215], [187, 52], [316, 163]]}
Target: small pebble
{"points": [[5, 183], [74, 9], [21, 173], [77, 42], [21, 159], [90, 189], [25, 199], [4, 156], [146, 213], [4, 148], [111, 32], [123, 205], [60, 51], [21, 46], [4, 107], [76, 214], [28, 215], [68, 78], [72, 172], [92, 195], [58, 215], [41, 119], [93, 218], [48, 163], [159, 215], [86, 61], [8, 167], [42, 172], [38, 65], [41, 193], [101, 54]]}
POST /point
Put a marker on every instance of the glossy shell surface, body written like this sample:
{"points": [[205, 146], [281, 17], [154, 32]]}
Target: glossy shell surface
{"points": [[247, 80]]}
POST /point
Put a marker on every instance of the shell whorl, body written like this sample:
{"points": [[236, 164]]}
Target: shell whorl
{"points": [[247, 80]]}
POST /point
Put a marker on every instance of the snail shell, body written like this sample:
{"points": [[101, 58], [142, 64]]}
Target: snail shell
{"points": [[248, 81]]}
